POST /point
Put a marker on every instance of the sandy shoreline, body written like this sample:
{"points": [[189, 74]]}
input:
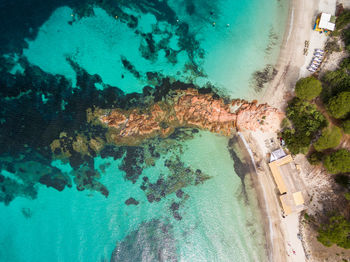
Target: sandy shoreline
{"points": [[281, 233]]}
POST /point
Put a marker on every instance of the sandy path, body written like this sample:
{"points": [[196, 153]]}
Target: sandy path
{"points": [[292, 62], [282, 232]]}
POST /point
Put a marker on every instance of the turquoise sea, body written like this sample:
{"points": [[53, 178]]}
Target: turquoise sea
{"points": [[66, 192]]}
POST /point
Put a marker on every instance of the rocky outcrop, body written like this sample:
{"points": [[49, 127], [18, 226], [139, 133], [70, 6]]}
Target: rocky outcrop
{"points": [[189, 108]]}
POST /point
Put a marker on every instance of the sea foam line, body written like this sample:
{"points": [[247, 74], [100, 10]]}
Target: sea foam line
{"points": [[264, 194], [290, 24]]}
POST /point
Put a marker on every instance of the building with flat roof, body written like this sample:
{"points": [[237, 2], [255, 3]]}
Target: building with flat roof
{"points": [[288, 181], [325, 22]]}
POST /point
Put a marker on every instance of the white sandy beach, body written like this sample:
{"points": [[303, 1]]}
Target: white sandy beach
{"points": [[284, 242]]}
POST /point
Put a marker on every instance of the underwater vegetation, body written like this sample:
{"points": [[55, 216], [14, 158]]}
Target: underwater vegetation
{"points": [[155, 240], [45, 118], [34, 132]]}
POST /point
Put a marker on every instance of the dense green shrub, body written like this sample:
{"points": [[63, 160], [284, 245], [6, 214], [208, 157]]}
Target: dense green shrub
{"points": [[308, 88], [335, 82], [346, 126], [338, 162], [336, 231], [346, 39], [347, 196], [339, 106], [343, 20], [296, 141], [315, 158], [343, 180], [285, 123], [330, 138], [305, 116], [307, 120], [332, 46]]}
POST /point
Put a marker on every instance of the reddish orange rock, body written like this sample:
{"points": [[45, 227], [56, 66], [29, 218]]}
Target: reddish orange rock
{"points": [[188, 108]]}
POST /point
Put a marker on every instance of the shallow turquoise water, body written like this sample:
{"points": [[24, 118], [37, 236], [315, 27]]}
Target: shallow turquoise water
{"points": [[234, 48], [85, 226], [214, 220]]}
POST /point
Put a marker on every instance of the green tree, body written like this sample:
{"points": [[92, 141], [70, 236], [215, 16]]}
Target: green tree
{"points": [[296, 141], [330, 138], [346, 126], [305, 117], [306, 120], [339, 106], [308, 88], [315, 158], [343, 20], [338, 162], [336, 81], [336, 231]]}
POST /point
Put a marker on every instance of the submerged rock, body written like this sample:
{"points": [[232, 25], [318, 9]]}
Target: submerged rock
{"points": [[179, 193], [174, 206], [152, 241], [177, 216], [49, 180], [131, 201], [27, 213]]}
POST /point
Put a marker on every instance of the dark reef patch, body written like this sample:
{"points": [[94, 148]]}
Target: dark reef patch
{"points": [[130, 67], [44, 118], [51, 181], [133, 163], [71, 134], [273, 39], [241, 168], [19, 20], [131, 201], [179, 176], [260, 78], [26, 212], [179, 193], [155, 242]]}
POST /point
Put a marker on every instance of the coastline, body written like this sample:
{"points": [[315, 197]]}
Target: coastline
{"points": [[281, 233]]}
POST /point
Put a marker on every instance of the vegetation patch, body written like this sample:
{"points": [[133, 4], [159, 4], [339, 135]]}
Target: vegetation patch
{"points": [[330, 138], [336, 231], [307, 121], [338, 162], [346, 126], [308, 88], [339, 106]]}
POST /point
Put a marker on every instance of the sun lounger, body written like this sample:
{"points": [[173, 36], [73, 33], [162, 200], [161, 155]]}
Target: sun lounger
{"points": [[314, 62], [319, 50], [318, 55], [311, 69], [315, 66], [318, 59]]}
